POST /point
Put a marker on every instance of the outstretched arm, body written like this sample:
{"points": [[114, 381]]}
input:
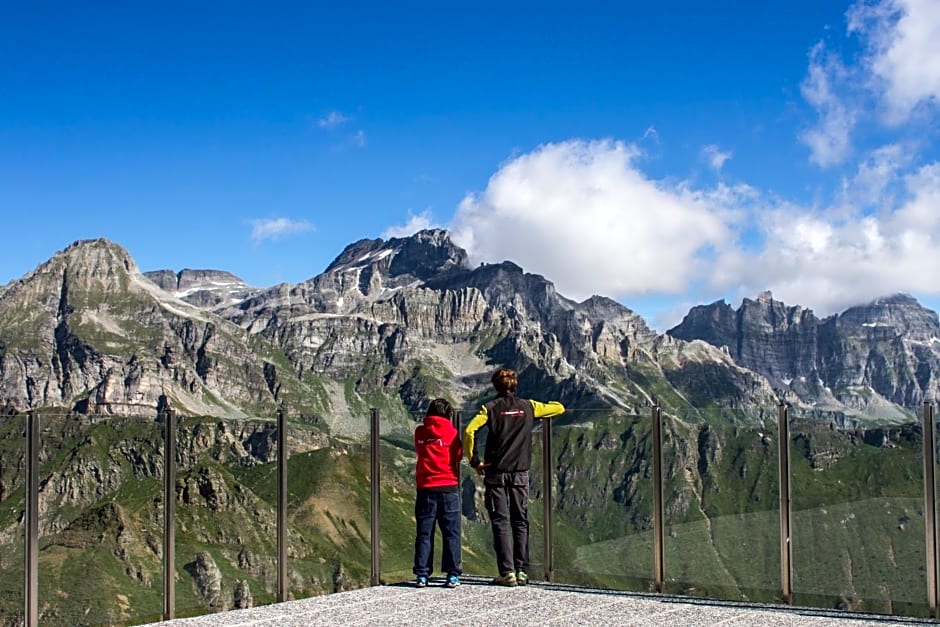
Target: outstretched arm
{"points": [[547, 410]]}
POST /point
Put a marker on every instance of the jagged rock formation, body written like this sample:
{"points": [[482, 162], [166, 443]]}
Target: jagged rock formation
{"points": [[390, 324], [242, 596], [87, 332], [407, 318], [868, 357], [207, 580], [207, 289]]}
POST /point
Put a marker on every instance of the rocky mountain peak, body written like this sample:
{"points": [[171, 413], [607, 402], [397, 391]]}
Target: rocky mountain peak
{"points": [[373, 269], [89, 262], [88, 332], [419, 257], [886, 350], [893, 316], [208, 289]]}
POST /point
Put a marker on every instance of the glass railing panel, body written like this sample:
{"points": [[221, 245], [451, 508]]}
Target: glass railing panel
{"points": [[721, 504], [328, 503], [858, 521], [536, 509], [602, 527], [12, 518], [397, 493], [476, 533], [100, 525], [226, 513]]}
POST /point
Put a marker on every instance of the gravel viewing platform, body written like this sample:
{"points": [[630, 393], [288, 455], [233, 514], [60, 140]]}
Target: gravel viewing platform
{"points": [[475, 602]]}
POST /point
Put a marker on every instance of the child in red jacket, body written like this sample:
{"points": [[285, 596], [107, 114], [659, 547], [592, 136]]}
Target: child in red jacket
{"points": [[439, 449]]}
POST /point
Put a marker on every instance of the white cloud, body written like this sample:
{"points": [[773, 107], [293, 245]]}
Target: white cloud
{"points": [[715, 157], [583, 215], [902, 39], [359, 139], [415, 223], [332, 120], [830, 260], [878, 174], [829, 140], [276, 228]]}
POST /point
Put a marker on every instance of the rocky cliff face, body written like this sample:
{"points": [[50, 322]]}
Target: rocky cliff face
{"points": [[407, 318], [870, 356], [390, 324], [207, 289], [87, 331]]}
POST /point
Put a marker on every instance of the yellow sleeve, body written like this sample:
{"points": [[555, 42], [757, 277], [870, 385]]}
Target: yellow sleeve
{"points": [[547, 410], [473, 426]]}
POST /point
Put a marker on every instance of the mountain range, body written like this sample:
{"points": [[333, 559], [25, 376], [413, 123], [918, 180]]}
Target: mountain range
{"points": [[394, 322], [97, 346]]}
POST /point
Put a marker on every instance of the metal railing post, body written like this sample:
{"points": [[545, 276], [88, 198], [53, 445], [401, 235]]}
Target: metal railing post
{"points": [[282, 591], [930, 506], [31, 537], [786, 546], [547, 475], [659, 577], [375, 497], [169, 514]]}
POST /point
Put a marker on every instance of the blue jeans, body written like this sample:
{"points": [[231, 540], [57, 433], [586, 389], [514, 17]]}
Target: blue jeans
{"points": [[444, 509], [506, 495]]}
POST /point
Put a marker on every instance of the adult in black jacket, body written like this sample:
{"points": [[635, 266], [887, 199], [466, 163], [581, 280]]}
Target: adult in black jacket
{"points": [[505, 469]]}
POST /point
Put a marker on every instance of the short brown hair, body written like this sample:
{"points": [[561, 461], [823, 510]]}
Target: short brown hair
{"points": [[505, 381]]}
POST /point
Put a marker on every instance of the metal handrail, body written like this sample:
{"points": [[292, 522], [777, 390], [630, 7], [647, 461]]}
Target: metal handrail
{"points": [[282, 591], [930, 506], [169, 514], [376, 498], [547, 479], [786, 545], [659, 567], [170, 423], [31, 595]]}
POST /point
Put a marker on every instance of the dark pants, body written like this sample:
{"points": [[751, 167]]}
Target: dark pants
{"points": [[444, 509], [507, 501]]}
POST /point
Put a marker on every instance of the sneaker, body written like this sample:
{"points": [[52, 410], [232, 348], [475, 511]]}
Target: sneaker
{"points": [[452, 581], [421, 582], [521, 578], [509, 579]]}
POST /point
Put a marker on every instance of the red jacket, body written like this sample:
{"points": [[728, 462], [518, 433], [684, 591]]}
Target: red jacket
{"points": [[439, 450]]}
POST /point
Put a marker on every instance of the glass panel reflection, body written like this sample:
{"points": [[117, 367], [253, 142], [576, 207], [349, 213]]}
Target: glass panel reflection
{"points": [[100, 523], [721, 504], [12, 518], [858, 523], [226, 514], [328, 503], [476, 532], [537, 565], [398, 491], [603, 499]]}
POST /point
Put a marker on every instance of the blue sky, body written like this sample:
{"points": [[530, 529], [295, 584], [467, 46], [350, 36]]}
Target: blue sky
{"points": [[663, 155]]}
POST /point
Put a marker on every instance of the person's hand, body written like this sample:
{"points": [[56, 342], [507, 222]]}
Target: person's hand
{"points": [[480, 468]]}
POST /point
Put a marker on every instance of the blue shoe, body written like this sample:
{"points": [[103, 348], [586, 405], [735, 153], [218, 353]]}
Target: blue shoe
{"points": [[452, 581], [421, 582]]}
